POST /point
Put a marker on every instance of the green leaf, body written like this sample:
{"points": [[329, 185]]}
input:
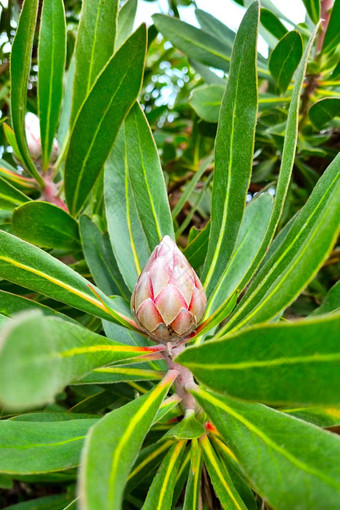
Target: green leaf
{"points": [[192, 499], [331, 39], [126, 18], [273, 363], [272, 23], [160, 494], [51, 63], [188, 428], [252, 231], [331, 303], [31, 267], [113, 444], [320, 416], [313, 9], [206, 101], [46, 225], [147, 178], [233, 150], [11, 304], [195, 43], [305, 457], [110, 375], [289, 267], [220, 478], [324, 110], [100, 259], [196, 251], [100, 117], [128, 240], [10, 197], [28, 448], [212, 25], [94, 47], [19, 70], [285, 58], [40, 355], [55, 502], [10, 173]]}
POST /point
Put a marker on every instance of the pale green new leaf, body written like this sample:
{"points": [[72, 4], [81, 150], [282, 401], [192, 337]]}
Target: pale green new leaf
{"points": [[233, 150], [40, 355], [304, 475], [113, 444]]}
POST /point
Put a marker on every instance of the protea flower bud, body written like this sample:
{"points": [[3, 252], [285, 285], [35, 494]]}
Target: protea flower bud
{"points": [[169, 300], [32, 128]]}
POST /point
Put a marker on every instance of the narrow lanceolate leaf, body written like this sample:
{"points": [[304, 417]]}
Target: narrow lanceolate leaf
{"points": [[192, 499], [313, 9], [331, 303], [113, 443], [274, 363], [220, 478], [11, 174], [195, 43], [100, 259], [126, 18], [20, 69], [285, 58], [161, 492], [260, 436], [212, 25], [31, 267], [196, 250], [46, 225], [40, 355], [297, 257], [10, 197], [100, 117], [252, 231], [331, 39], [287, 161], [110, 375], [147, 178], [324, 110], [272, 23], [128, 240], [51, 63], [94, 46], [233, 150], [40, 447]]}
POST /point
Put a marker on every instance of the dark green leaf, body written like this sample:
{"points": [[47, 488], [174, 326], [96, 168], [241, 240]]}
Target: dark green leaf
{"points": [[272, 23], [100, 259], [331, 303], [305, 457], [324, 110], [331, 39], [196, 251], [147, 178], [20, 69], [94, 46], [212, 25], [160, 494], [41, 447], [113, 444], [233, 150], [40, 355], [46, 225], [313, 9], [55, 502], [10, 197], [192, 500], [285, 58], [220, 478], [100, 117], [51, 63], [274, 363]]}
